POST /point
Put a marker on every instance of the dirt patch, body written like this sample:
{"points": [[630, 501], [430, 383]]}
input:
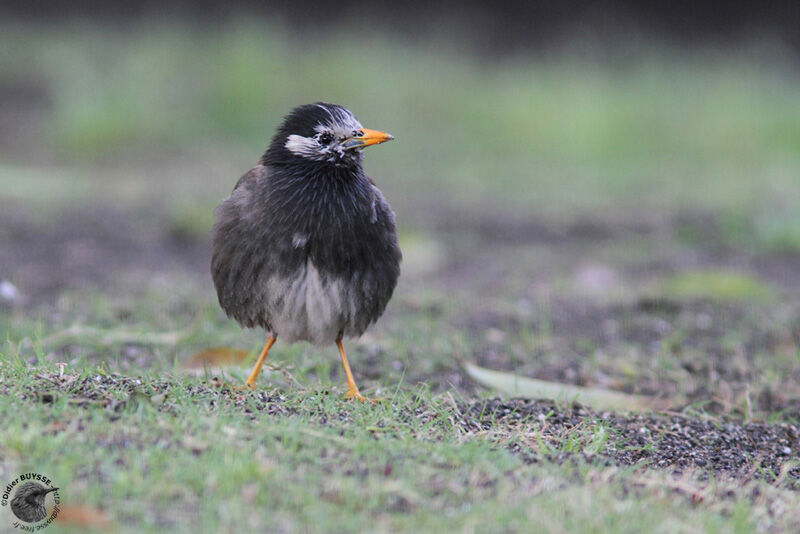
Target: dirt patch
{"points": [[675, 442], [485, 249], [653, 325], [721, 354], [85, 246], [94, 246]]}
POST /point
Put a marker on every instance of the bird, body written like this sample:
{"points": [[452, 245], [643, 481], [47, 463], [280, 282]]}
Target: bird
{"points": [[306, 247], [28, 502]]}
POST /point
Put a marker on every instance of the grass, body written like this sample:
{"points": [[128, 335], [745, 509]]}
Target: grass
{"points": [[170, 452], [127, 432], [622, 224], [715, 285]]}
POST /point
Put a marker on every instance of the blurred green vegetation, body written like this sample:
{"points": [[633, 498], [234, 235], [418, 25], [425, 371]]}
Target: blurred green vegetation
{"points": [[555, 132], [716, 285]]}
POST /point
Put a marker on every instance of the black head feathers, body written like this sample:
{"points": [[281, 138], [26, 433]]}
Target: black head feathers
{"points": [[315, 133]]}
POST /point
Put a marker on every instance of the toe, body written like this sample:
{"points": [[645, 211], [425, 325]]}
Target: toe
{"points": [[354, 394]]}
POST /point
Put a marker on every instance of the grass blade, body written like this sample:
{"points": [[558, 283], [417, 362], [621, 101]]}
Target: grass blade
{"points": [[595, 398]]}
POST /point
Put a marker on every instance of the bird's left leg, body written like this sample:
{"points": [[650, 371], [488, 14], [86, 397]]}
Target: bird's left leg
{"points": [[352, 390], [251, 380]]}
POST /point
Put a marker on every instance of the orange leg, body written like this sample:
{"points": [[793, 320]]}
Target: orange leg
{"points": [[352, 390], [251, 380]]}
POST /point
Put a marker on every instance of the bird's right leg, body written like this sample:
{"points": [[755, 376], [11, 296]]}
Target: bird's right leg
{"points": [[251, 380], [352, 390]]}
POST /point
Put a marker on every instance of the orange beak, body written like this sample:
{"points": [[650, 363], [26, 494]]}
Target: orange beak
{"points": [[367, 138]]}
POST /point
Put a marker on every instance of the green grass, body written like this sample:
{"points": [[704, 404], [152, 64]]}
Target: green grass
{"points": [[715, 285], [170, 452], [126, 431]]}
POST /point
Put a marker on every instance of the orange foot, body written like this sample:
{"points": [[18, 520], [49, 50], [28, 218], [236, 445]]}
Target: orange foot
{"points": [[243, 387], [251, 380], [354, 394], [217, 382]]}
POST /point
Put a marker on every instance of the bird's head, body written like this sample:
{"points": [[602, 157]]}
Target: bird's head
{"points": [[28, 502], [324, 134], [33, 492]]}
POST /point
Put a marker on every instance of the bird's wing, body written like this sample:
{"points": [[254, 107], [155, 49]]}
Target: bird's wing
{"points": [[251, 177], [379, 205], [231, 259]]}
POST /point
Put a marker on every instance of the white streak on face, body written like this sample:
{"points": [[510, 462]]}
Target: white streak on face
{"points": [[299, 240], [306, 147], [341, 126], [342, 123]]}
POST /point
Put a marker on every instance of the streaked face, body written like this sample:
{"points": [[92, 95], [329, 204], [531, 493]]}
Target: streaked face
{"points": [[336, 137]]}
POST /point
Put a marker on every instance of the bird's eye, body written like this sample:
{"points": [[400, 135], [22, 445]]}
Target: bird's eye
{"points": [[357, 133], [325, 138]]}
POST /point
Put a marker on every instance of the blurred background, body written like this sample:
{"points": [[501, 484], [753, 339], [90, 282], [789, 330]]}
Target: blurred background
{"points": [[579, 171]]}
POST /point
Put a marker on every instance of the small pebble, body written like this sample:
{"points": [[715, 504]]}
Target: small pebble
{"points": [[9, 292]]}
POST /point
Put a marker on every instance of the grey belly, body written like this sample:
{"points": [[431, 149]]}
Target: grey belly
{"points": [[310, 306]]}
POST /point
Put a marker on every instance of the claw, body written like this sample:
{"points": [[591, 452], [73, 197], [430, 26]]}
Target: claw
{"points": [[354, 394]]}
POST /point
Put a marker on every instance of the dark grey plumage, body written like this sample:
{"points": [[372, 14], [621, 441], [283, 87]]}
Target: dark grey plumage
{"points": [[28, 502], [306, 245]]}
